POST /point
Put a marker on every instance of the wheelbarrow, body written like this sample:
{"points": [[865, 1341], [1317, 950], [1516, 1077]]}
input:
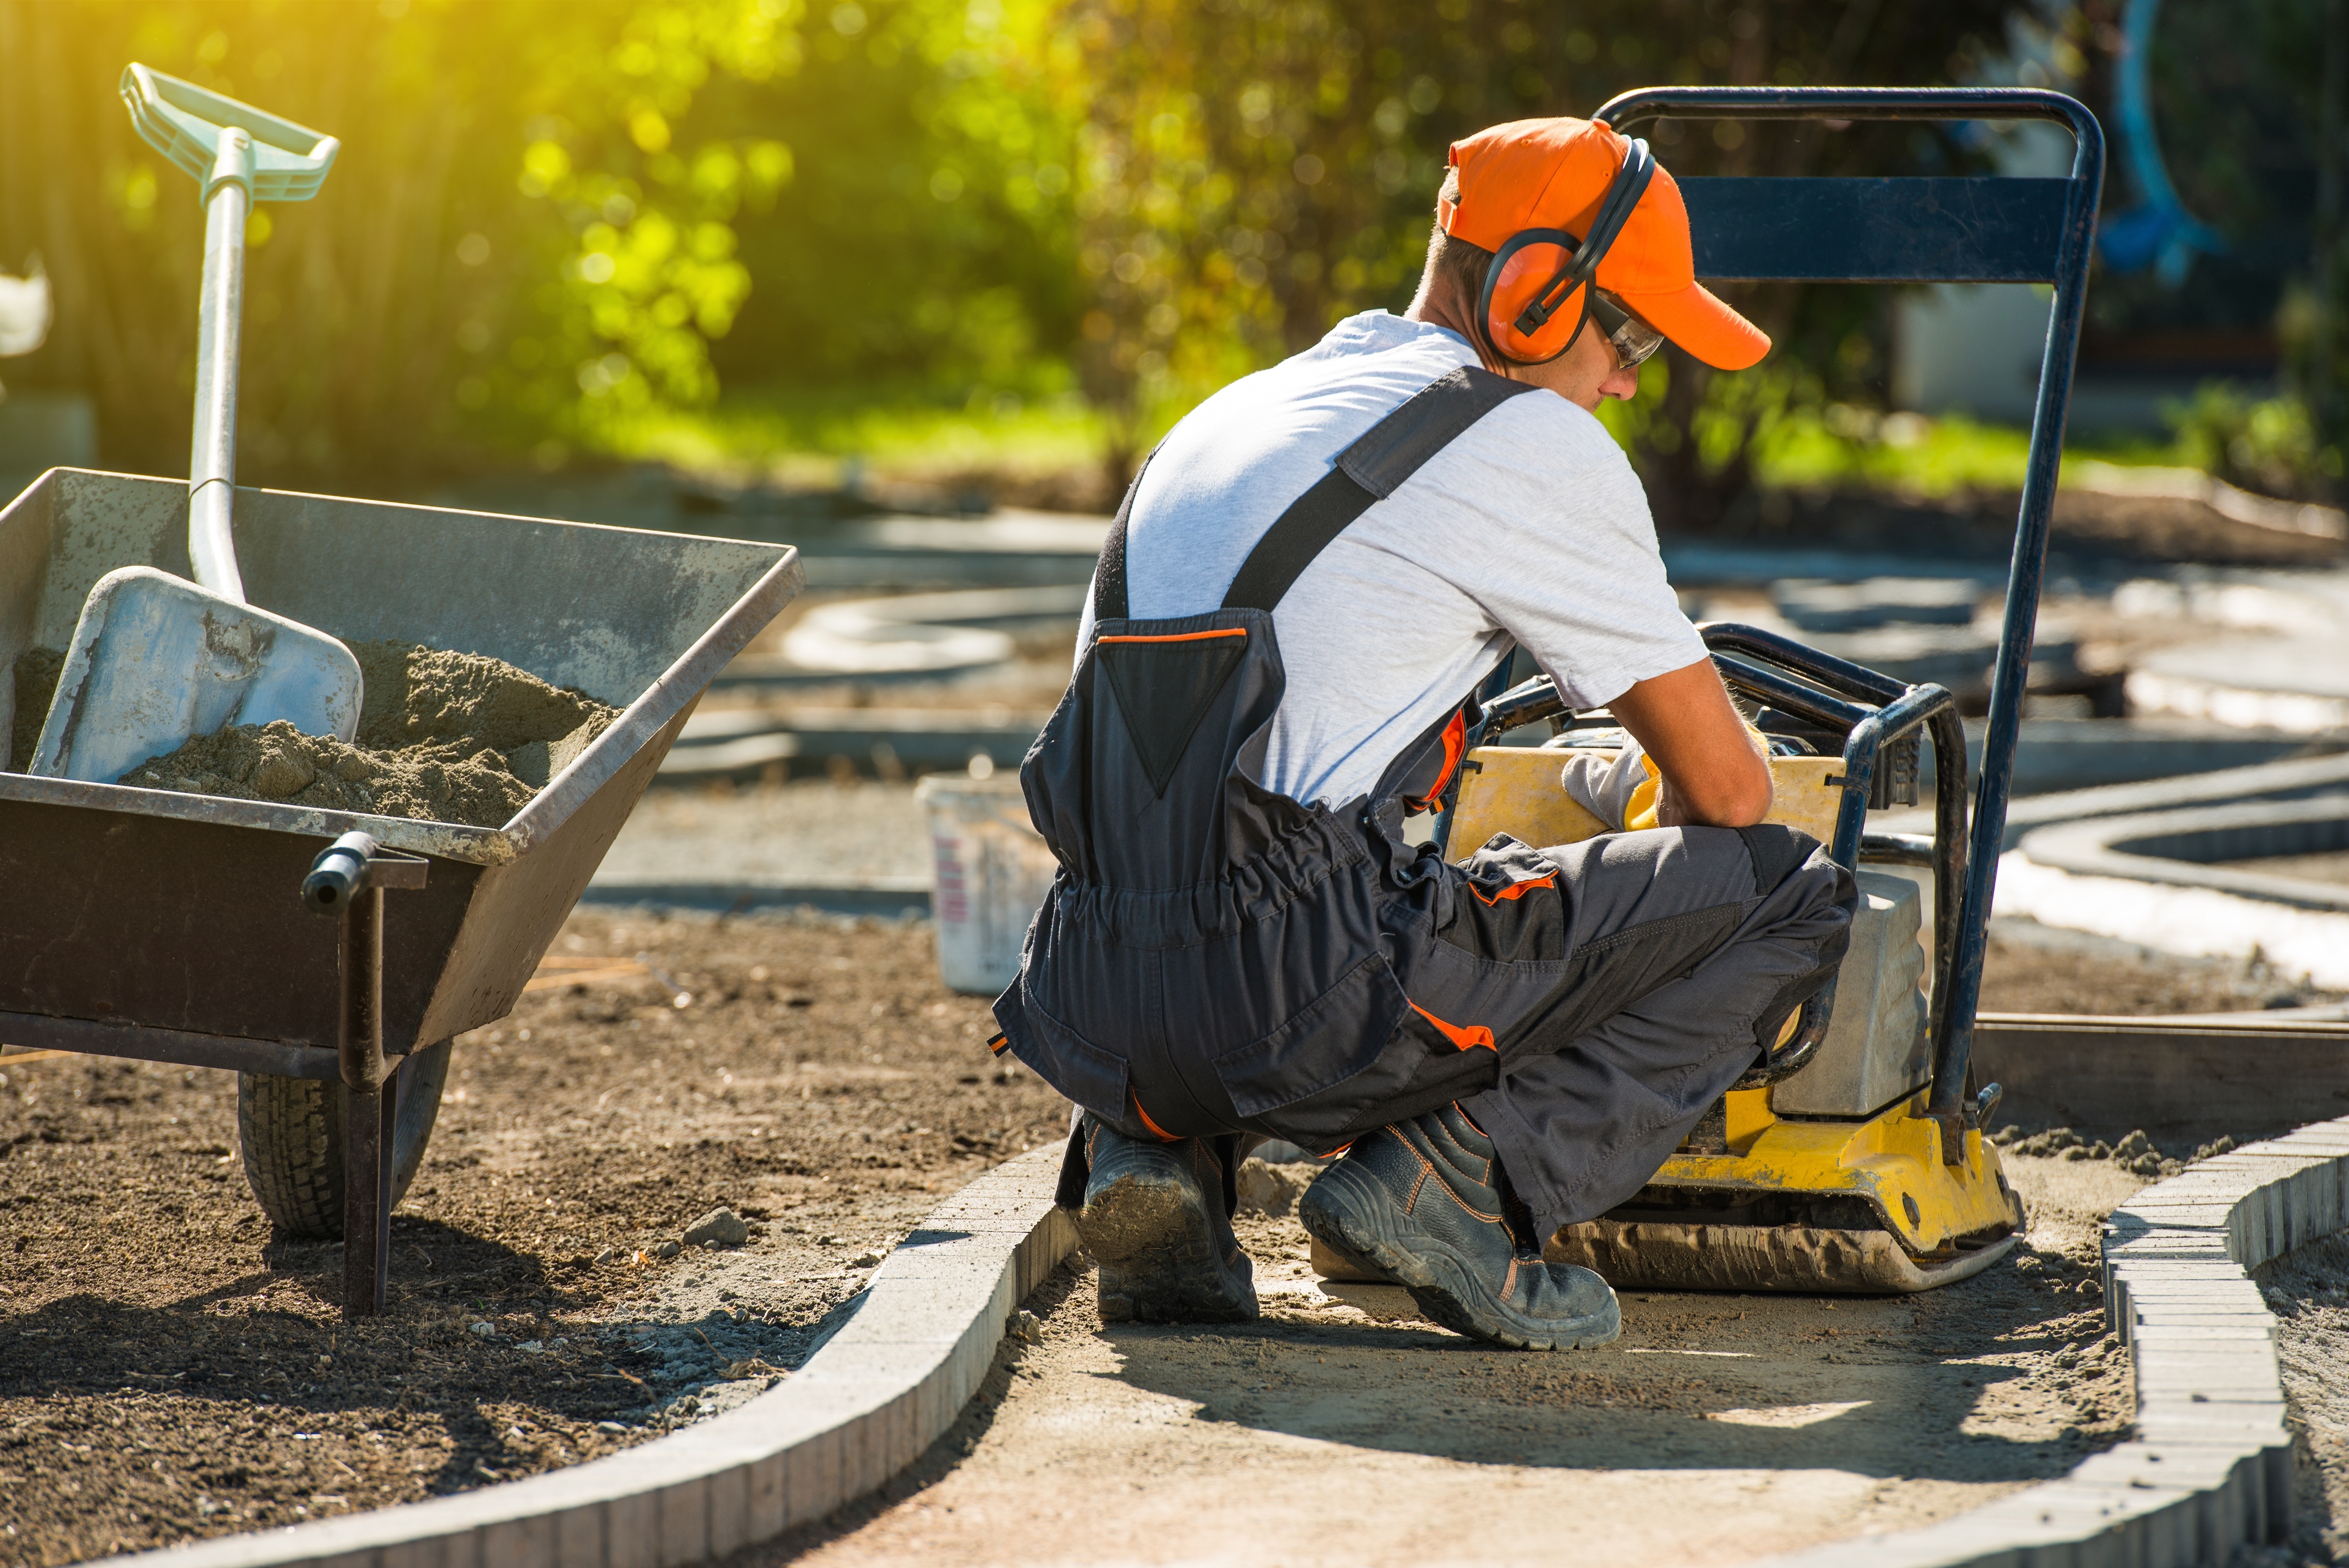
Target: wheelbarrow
{"points": [[173, 927]]}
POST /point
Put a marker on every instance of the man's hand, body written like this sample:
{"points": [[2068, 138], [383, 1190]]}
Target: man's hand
{"points": [[1713, 773]]}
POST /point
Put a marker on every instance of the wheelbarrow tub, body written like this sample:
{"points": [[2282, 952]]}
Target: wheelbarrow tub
{"points": [[146, 923]]}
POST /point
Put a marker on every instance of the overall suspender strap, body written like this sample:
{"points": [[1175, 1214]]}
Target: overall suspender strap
{"points": [[1370, 471]]}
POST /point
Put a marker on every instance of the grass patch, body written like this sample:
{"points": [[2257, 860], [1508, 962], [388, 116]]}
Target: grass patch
{"points": [[813, 435], [1927, 457]]}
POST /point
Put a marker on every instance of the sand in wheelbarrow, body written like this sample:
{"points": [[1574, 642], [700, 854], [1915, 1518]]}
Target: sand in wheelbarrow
{"points": [[443, 737]]}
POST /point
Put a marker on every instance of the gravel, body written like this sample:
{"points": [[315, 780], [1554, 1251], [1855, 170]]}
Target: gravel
{"points": [[718, 1228]]}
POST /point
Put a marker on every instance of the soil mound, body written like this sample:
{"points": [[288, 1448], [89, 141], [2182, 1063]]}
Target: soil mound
{"points": [[442, 737]]}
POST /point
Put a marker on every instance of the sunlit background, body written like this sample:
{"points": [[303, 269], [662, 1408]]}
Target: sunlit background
{"points": [[1002, 243]]}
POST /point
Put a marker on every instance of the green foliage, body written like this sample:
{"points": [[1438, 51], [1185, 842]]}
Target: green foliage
{"points": [[1256, 170], [2264, 445], [909, 428], [927, 235], [548, 222], [565, 223]]}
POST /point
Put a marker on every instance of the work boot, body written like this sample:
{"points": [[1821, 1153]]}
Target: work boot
{"points": [[1423, 1203], [1153, 1219]]}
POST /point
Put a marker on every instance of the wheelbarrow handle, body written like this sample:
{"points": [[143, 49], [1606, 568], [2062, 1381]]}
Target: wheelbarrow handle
{"points": [[350, 865], [185, 123]]}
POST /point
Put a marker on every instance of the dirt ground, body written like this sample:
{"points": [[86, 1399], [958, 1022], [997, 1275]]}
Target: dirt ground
{"points": [[168, 1370], [2032, 968], [1343, 1429], [2309, 1293]]}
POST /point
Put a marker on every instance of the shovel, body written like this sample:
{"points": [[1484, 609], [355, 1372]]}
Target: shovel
{"points": [[157, 661]]}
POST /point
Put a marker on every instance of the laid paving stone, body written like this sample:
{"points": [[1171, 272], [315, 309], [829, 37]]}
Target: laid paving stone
{"points": [[2166, 1339], [2177, 1276], [2200, 1215], [2216, 1269], [2164, 1242]]}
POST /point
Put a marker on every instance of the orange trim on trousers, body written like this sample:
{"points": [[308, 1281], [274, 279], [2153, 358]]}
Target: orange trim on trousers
{"points": [[1163, 1134], [1515, 890], [1467, 1037]]}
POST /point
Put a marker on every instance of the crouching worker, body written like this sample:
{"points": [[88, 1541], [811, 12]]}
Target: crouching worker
{"points": [[1302, 582]]}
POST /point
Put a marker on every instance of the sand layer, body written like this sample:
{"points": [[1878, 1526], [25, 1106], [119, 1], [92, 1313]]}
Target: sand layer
{"points": [[443, 737]]}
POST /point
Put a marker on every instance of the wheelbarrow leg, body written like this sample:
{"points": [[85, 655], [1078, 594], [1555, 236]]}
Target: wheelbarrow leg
{"points": [[348, 882], [370, 1100], [368, 1142]]}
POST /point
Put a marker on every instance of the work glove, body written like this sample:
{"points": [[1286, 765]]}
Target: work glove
{"points": [[1619, 788]]}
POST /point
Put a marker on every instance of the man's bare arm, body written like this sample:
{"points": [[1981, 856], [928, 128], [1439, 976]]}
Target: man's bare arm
{"points": [[1713, 774]]}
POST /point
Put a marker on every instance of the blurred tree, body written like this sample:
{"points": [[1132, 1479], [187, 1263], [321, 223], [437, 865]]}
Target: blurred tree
{"points": [[1254, 170], [926, 238], [550, 216], [517, 226], [544, 216], [2247, 106]]}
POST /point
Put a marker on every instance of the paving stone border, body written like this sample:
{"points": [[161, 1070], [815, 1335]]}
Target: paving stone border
{"points": [[882, 1389], [2211, 1467]]}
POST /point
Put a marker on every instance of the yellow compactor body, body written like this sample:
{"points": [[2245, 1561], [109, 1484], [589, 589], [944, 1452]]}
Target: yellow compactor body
{"points": [[1833, 1179]]}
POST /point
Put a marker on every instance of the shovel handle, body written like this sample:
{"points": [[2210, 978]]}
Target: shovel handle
{"points": [[211, 457], [239, 155], [185, 123]]}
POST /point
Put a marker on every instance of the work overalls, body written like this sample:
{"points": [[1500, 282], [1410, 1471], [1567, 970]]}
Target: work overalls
{"points": [[1217, 959]]}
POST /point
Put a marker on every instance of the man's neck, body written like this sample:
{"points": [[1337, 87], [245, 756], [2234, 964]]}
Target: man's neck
{"points": [[1439, 304]]}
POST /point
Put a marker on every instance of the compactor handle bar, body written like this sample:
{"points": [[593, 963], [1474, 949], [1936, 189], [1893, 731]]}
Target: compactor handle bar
{"points": [[1943, 103]]}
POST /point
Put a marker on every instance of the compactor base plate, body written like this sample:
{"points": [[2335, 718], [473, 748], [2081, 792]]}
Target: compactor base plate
{"points": [[1865, 1207]]}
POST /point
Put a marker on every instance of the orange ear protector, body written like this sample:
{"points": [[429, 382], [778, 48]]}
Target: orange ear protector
{"points": [[1538, 292]]}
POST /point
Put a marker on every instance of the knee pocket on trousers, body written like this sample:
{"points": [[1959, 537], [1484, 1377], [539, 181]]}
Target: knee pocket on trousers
{"points": [[1775, 850]]}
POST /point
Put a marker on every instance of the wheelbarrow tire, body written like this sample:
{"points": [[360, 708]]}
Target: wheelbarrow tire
{"points": [[290, 1131]]}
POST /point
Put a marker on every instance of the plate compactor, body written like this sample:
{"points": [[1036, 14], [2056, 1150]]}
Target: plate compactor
{"points": [[1852, 1159]]}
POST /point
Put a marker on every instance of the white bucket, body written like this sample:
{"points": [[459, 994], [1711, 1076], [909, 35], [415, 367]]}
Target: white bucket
{"points": [[988, 874]]}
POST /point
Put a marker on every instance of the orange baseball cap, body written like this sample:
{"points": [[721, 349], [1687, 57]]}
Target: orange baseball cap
{"points": [[1552, 174]]}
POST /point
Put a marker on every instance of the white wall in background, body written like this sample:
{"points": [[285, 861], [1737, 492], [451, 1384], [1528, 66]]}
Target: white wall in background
{"points": [[1970, 349]]}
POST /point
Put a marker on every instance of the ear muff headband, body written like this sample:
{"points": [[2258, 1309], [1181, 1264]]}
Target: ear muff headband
{"points": [[1536, 317]]}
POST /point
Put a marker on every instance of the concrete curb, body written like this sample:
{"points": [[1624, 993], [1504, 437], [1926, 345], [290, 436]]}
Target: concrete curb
{"points": [[2154, 846], [884, 1388], [2211, 1468]]}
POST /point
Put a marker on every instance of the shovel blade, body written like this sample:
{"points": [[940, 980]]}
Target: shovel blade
{"points": [[157, 661]]}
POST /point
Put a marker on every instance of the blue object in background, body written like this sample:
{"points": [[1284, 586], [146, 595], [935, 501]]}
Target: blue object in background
{"points": [[2159, 232]]}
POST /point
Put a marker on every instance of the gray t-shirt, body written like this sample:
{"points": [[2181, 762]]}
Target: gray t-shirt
{"points": [[1531, 526]]}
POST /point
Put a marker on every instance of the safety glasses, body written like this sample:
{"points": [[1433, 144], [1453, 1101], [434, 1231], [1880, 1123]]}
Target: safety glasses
{"points": [[1633, 339]]}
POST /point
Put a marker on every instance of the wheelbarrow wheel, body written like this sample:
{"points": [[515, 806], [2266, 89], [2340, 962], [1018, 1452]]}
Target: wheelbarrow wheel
{"points": [[291, 1132]]}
